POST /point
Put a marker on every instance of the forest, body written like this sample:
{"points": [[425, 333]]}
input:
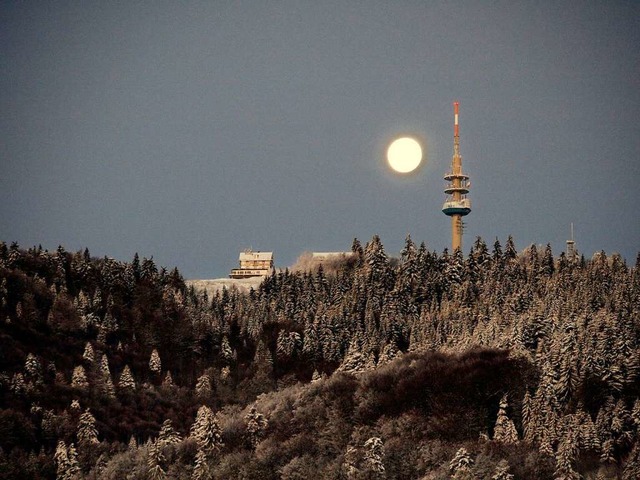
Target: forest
{"points": [[499, 364]]}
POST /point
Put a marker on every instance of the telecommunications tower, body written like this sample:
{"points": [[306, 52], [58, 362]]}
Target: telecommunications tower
{"points": [[457, 205]]}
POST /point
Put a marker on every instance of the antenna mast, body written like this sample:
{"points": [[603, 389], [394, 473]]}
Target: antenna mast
{"points": [[456, 205], [571, 247]]}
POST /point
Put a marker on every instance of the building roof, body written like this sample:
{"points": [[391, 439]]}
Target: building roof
{"points": [[325, 255], [251, 255]]}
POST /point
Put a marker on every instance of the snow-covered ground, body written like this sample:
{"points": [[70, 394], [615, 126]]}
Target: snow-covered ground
{"points": [[211, 286]]}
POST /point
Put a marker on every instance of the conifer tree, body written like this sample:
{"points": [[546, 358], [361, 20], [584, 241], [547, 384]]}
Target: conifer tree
{"points": [[201, 469], [374, 458], [203, 387], [61, 459], [87, 433], [257, 425], [168, 380], [106, 387], [567, 450], [528, 420], [74, 472], [126, 382], [79, 378], [74, 407], [155, 365], [33, 369], [155, 462], [88, 354], [461, 466], [18, 385], [510, 252], [206, 431], [502, 471], [631, 469], [168, 435], [225, 350], [504, 430]]}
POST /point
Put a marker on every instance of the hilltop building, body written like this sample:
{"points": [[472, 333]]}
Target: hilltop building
{"points": [[253, 264], [324, 256]]}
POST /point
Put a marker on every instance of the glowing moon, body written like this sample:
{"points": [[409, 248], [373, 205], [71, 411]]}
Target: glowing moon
{"points": [[404, 155]]}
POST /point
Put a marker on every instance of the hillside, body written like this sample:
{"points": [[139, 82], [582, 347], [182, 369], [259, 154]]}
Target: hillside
{"points": [[498, 365]]}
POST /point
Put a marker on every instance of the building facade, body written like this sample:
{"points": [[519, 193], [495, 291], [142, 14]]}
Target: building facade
{"points": [[253, 264]]}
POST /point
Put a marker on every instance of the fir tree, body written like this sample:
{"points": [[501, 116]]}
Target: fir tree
{"points": [[225, 350], [461, 466], [61, 459], [74, 472], [88, 354], [203, 387], [18, 385], [155, 365], [374, 458], [75, 407], [201, 469], [106, 387], [502, 471], [632, 466], [168, 380], [155, 462], [87, 433], [504, 430], [79, 378], [206, 431], [256, 425], [33, 369], [126, 382], [168, 435]]}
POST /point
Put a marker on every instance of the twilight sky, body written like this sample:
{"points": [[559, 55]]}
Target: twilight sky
{"points": [[188, 131]]}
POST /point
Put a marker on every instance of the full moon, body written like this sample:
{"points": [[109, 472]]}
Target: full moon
{"points": [[404, 155]]}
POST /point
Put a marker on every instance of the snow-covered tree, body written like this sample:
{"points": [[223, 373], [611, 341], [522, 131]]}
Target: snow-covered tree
{"points": [[61, 459], [632, 466], [106, 386], [206, 431], [201, 469], [461, 465], [155, 462], [225, 350], [33, 369], [126, 382], [504, 430], [168, 435], [257, 425], [74, 472], [87, 433], [374, 457], [89, 355], [167, 382], [502, 471], [389, 352], [355, 361], [75, 406], [155, 365], [79, 378], [203, 387], [18, 385]]}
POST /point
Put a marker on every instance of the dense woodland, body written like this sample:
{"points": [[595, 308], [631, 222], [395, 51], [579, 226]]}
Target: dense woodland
{"points": [[494, 365]]}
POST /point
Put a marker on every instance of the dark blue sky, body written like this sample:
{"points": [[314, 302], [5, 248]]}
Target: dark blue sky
{"points": [[188, 131]]}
